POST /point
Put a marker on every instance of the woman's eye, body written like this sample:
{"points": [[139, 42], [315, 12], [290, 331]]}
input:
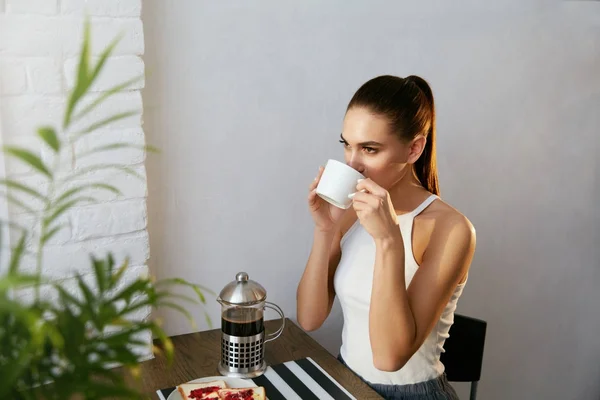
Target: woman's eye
{"points": [[370, 150], [344, 143]]}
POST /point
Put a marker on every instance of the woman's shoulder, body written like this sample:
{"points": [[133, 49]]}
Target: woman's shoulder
{"points": [[448, 219]]}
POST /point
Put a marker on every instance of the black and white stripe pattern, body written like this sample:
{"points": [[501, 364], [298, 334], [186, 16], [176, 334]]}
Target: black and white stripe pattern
{"points": [[301, 379]]}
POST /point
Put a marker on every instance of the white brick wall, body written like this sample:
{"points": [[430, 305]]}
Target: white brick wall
{"points": [[47, 36], [110, 8], [47, 7], [39, 42]]}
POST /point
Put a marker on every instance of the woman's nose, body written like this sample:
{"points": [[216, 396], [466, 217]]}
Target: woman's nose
{"points": [[357, 165]]}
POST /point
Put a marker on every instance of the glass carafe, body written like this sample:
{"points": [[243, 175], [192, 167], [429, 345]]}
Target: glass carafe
{"points": [[243, 302]]}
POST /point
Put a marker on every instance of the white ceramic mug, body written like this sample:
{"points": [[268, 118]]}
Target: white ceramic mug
{"points": [[337, 182]]}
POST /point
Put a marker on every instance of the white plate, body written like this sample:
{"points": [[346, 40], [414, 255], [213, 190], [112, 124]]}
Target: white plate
{"points": [[231, 382]]}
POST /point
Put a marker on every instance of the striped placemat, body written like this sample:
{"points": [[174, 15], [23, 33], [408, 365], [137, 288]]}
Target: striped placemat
{"points": [[301, 379]]}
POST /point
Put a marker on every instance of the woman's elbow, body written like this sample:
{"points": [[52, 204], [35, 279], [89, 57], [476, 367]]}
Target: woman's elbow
{"points": [[308, 320], [389, 362], [309, 324]]}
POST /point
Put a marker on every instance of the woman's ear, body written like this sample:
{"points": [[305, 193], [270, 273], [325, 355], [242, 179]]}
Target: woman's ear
{"points": [[416, 147]]}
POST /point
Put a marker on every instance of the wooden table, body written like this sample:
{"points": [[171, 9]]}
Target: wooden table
{"points": [[198, 354]]}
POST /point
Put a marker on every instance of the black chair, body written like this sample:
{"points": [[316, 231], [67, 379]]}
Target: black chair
{"points": [[463, 356]]}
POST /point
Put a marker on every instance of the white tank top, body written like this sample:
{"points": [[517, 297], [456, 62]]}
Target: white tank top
{"points": [[353, 281]]}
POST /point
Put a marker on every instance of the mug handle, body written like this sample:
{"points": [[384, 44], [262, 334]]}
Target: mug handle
{"points": [[277, 333]]}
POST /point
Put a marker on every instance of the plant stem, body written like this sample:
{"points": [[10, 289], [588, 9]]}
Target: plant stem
{"points": [[45, 215], [38, 268]]}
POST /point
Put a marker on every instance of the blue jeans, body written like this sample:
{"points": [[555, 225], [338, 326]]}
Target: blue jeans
{"points": [[435, 389]]}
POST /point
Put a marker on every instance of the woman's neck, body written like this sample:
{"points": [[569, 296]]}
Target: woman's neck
{"points": [[407, 193]]}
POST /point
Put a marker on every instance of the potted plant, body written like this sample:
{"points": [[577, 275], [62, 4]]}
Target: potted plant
{"points": [[68, 348]]}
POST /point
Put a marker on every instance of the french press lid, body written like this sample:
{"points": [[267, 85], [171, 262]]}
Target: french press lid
{"points": [[242, 291]]}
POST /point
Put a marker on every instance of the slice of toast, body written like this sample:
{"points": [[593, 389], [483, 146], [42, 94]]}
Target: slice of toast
{"points": [[249, 393], [201, 391]]}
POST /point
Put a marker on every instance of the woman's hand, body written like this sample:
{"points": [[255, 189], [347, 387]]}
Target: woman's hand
{"points": [[375, 210], [325, 215]]}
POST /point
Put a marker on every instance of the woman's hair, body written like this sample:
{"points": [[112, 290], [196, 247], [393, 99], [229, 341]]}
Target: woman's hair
{"points": [[408, 105]]}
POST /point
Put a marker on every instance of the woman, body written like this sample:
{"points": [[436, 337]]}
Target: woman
{"points": [[398, 258]]}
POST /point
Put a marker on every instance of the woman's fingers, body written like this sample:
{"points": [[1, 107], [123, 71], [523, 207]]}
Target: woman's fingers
{"points": [[371, 187], [321, 169], [313, 185], [367, 200], [312, 197]]}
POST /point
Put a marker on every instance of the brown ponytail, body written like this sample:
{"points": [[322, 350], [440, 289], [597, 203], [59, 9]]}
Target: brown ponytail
{"points": [[426, 165], [409, 106]]}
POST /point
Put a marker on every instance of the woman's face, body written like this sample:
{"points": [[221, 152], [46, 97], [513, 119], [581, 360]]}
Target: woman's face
{"points": [[374, 151]]}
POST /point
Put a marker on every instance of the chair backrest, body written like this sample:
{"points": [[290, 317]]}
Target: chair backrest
{"points": [[463, 356]]}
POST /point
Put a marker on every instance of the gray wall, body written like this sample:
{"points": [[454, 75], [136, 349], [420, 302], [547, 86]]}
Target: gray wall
{"points": [[246, 99]]}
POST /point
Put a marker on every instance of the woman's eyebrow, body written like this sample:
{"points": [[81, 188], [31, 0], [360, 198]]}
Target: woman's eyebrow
{"points": [[370, 143]]}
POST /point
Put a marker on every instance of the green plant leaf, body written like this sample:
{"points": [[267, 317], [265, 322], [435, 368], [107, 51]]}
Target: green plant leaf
{"points": [[166, 342], [106, 121], [101, 167], [90, 301], [104, 56], [120, 321], [116, 146], [66, 298], [13, 200], [29, 158], [48, 235], [125, 355], [178, 296], [100, 274], [197, 288], [83, 81], [65, 195], [12, 184], [180, 309], [181, 281], [151, 299], [107, 312], [16, 254], [135, 306], [61, 208], [106, 95], [129, 291], [110, 266], [115, 278], [14, 281], [18, 365], [122, 336], [136, 342], [48, 134], [53, 334]]}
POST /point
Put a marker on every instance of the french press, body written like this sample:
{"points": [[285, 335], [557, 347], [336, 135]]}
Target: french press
{"points": [[243, 336]]}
